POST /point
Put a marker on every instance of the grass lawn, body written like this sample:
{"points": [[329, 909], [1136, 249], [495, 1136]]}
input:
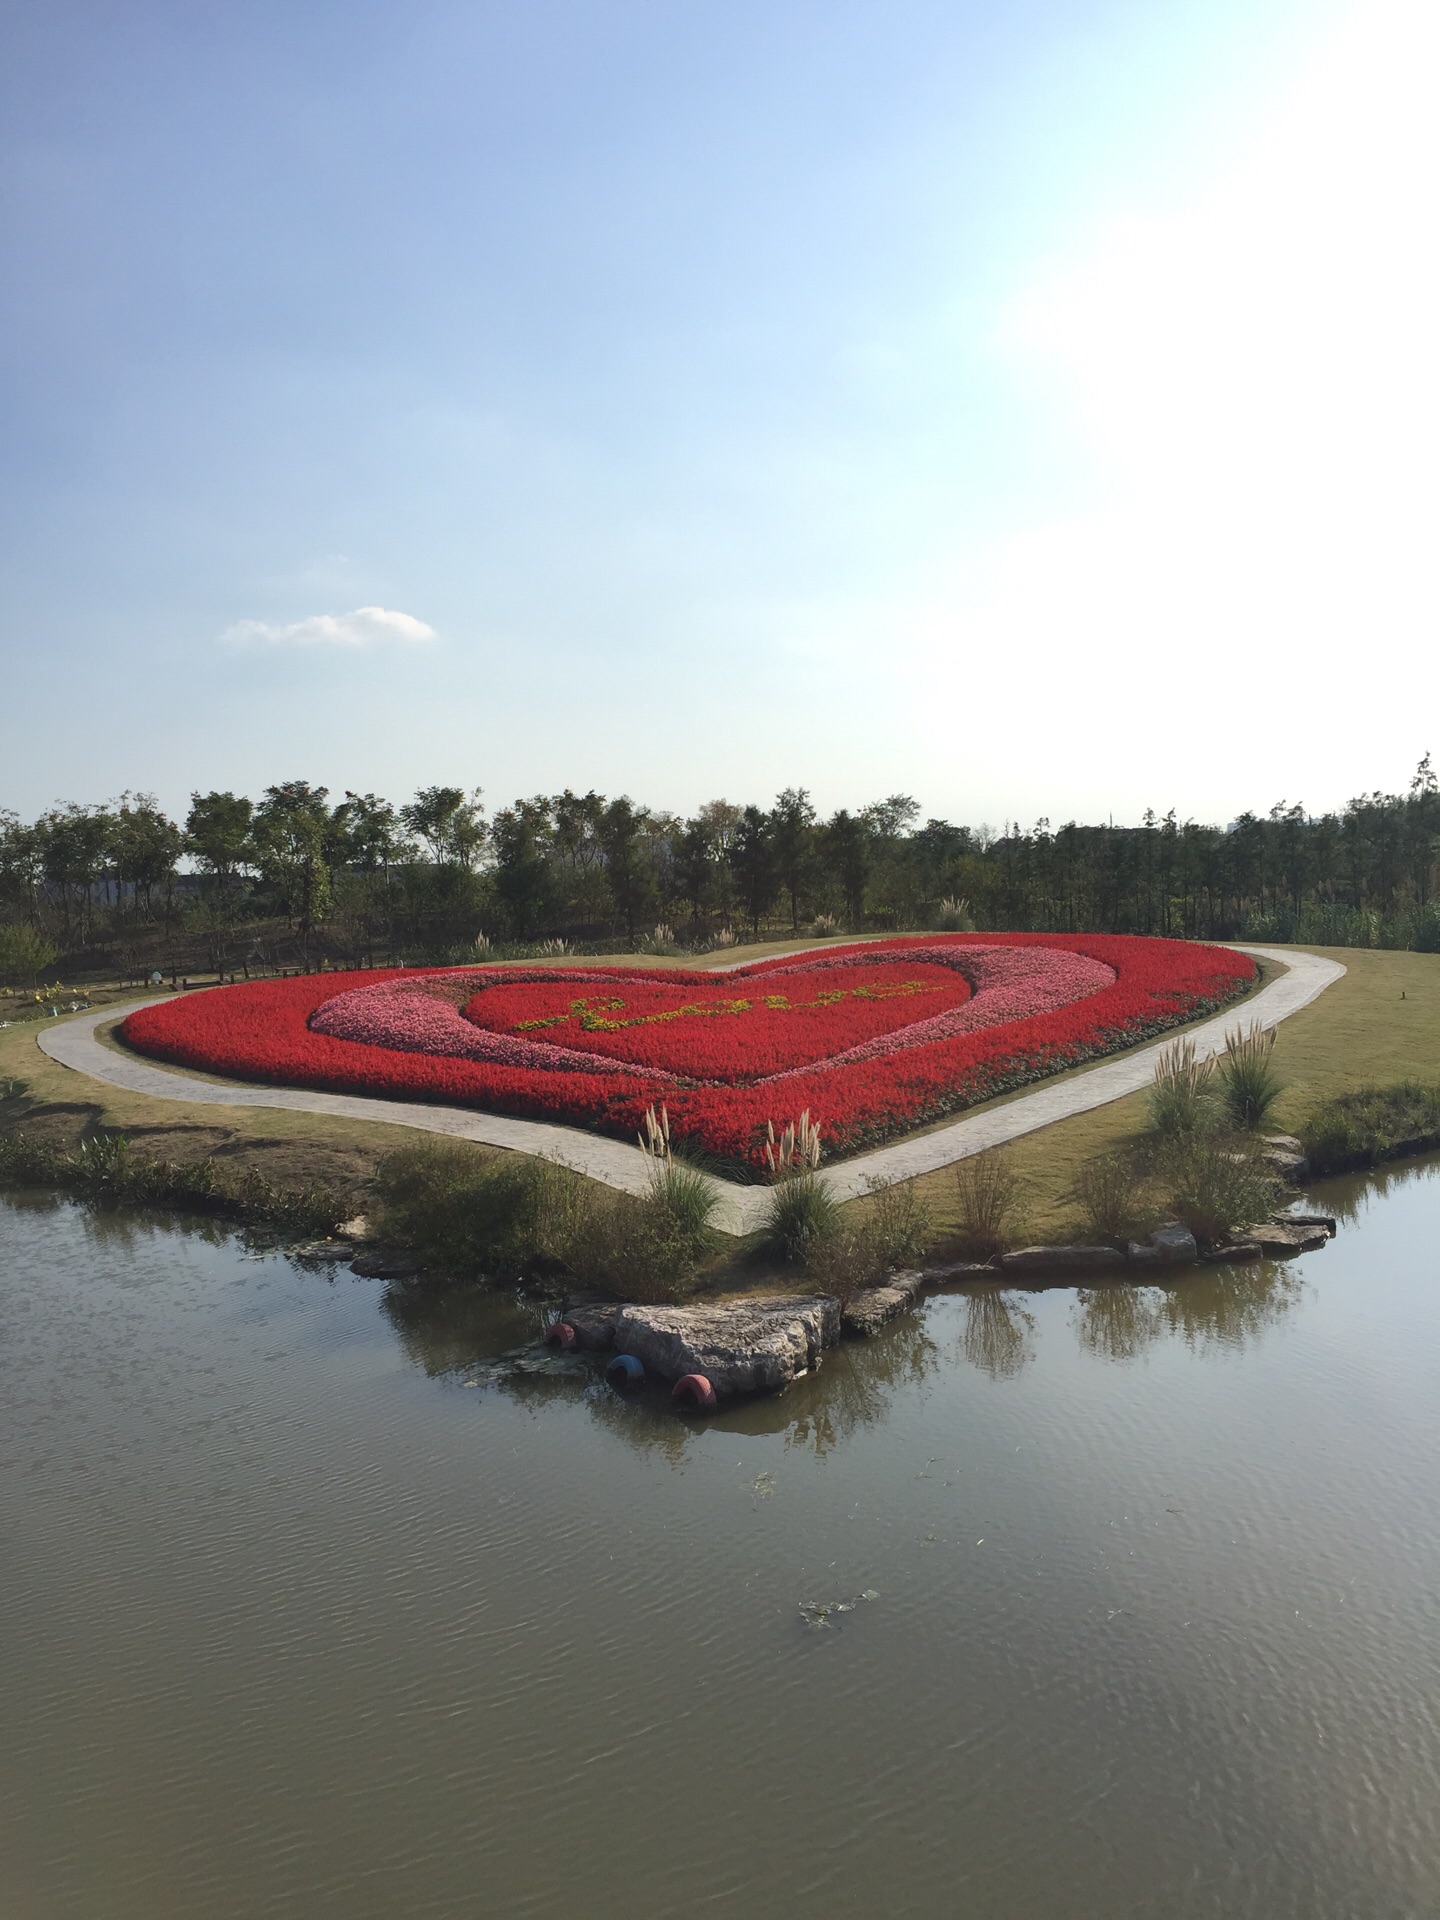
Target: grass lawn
{"points": [[1380, 1023], [1360, 1032], [291, 1149]]}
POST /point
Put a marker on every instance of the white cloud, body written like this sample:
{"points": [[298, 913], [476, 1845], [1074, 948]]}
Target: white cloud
{"points": [[365, 627]]}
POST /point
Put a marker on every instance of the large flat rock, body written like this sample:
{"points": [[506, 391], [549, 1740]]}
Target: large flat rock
{"points": [[867, 1312], [745, 1346], [1062, 1259]]}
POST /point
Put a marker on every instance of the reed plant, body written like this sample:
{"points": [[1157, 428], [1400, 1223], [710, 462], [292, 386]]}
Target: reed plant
{"points": [[802, 1212], [1249, 1084], [1181, 1101], [954, 915]]}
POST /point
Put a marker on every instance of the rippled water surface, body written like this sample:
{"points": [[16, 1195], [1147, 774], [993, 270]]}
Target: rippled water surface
{"points": [[309, 1609]]}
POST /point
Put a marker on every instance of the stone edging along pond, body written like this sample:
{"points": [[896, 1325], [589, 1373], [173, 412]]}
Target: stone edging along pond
{"points": [[73, 1043]]}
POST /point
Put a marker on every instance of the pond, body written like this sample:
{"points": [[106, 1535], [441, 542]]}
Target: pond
{"points": [[312, 1606]]}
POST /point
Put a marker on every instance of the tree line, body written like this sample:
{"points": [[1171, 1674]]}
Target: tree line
{"points": [[298, 874]]}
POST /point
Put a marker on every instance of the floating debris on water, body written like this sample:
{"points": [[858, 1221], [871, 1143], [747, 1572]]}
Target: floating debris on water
{"points": [[527, 1363], [763, 1485], [817, 1614]]}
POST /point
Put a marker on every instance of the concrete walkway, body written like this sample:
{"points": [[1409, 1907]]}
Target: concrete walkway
{"points": [[740, 1210]]}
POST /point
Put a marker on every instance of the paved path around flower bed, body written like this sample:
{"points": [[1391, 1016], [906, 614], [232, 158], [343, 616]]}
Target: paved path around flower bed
{"points": [[74, 1044]]}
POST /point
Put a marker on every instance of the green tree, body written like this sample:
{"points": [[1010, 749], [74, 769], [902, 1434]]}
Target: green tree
{"points": [[451, 824], [144, 849], [291, 839], [523, 880], [792, 836], [217, 837], [695, 866], [627, 868], [845, 848], [752, 861], [75, 844]]}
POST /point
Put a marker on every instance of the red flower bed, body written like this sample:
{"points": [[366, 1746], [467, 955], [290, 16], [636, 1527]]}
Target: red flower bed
{"points": [[874, 1040]]}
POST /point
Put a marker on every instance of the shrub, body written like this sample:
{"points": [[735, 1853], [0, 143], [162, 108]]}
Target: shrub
{"points": [[844, 1260], [1371, 1124], [1249, 1084], [506, 1216], [466, 1212], [1112, 1198], [1180, 1099], [899, 1223], [824, 924], [24, 953], [644, 1248], [991, 1194], [1215, 1187], [802, 1211]]}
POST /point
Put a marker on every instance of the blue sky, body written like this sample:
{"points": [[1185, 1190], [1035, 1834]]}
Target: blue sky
{"points": [[1030, 406]]}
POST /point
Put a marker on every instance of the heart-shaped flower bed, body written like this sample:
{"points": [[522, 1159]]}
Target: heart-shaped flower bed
{"points": [[873, 1039]]}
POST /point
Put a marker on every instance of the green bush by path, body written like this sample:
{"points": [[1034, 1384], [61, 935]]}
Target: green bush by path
{"points": [[1371, 1124], [467, 1215]]}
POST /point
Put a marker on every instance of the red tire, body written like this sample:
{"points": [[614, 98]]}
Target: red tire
{"points": [[560, 1333], [693, 1391]]}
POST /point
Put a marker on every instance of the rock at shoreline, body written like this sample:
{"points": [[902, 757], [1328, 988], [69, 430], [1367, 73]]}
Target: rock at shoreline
{"points": [[1287, 1156], [385, 1263], [1167, 1246], [1234, 1253], [1062, 1259], [746, 1346], [867, 1312], [594, 1323], [1282, 1242], [1325, 1220]]}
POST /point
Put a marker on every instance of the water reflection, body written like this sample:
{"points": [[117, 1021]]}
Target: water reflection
{"points": [[1117, 1322], [855, 1387], [1213, 1306], [1351, 1196], [447, 1330], [1228, 1306], [998, 1335]]}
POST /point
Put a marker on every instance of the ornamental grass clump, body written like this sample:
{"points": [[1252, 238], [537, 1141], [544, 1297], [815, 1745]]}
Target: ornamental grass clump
{"points": [[681, 1198], [1181, 1104], [1249, 1084], [1112, 1198], [991, 1195], [954, 915], [802, 1211], [646, 1248]]}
